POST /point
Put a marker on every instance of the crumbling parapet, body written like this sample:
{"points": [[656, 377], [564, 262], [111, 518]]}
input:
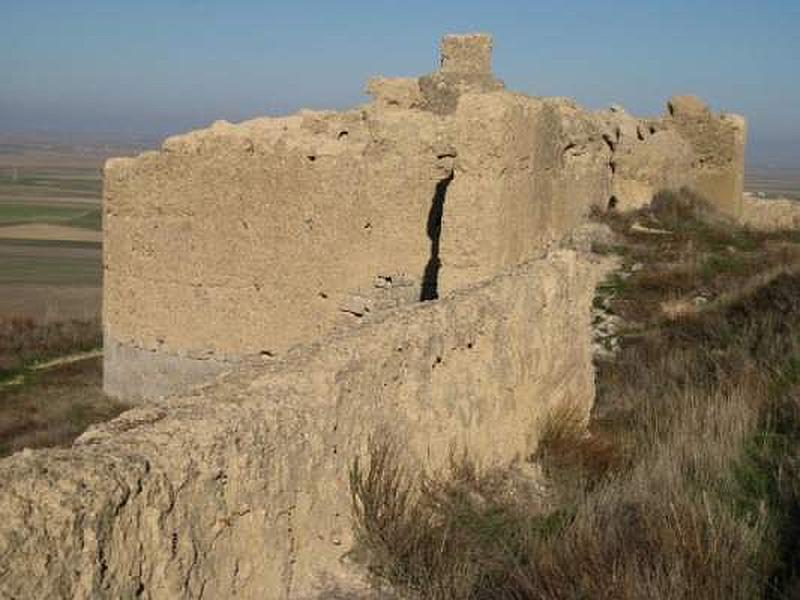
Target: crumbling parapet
{"points": [[689, 147], [718, 143]]}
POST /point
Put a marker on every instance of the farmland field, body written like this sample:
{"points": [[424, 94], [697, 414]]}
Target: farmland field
{"points": [[50, 241], [50, 291], [50, 225]]}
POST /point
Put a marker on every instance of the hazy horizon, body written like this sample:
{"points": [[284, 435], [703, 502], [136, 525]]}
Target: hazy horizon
{"points": [[149, 69]]}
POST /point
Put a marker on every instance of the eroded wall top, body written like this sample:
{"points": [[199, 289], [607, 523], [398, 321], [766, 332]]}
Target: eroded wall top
{"points": [[245, 240], [689, 146]]}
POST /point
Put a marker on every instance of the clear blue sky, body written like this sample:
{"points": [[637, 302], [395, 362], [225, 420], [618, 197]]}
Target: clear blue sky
{"points": [[159, 66]]}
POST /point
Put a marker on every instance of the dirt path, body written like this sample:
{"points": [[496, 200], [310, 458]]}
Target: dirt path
{"points": [[47, 231], [51, 364]]}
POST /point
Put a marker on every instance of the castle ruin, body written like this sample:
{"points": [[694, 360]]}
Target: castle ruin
{"points": [[280, 290], [243, 241]]}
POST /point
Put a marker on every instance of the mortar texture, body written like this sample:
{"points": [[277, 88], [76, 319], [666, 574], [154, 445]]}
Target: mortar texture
{"points": [[241, 488]]}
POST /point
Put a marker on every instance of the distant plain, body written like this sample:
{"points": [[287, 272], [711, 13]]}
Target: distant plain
{"points": [[50, 290], [50, 225]]}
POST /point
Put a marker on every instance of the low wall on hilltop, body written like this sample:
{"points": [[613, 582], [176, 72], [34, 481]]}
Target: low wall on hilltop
{"points": [[241, 488]]}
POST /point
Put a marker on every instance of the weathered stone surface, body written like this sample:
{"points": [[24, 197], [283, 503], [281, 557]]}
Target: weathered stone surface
{"points": [[240, 489], [396, 92], [661, 161], [526, 172], [772, 214], [691, 107], [274, 229], [467, 54]]}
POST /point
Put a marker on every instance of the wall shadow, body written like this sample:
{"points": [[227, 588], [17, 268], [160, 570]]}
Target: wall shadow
{"points": [[430, 279]]}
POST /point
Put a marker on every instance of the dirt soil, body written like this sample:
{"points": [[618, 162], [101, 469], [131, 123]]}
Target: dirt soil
{"points": [[54, 406]]}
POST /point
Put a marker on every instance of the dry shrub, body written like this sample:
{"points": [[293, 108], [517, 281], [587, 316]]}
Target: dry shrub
{"points": [[687, 484], [571, 453], [451, 536], [23, 340]]}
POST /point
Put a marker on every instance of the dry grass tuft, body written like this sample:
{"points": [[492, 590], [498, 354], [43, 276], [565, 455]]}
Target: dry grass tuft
{"points": [[53, 406], [687, 482], [24, 340]]}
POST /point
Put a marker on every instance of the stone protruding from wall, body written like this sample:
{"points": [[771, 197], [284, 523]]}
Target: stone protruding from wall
{"points": [[466, 66], [467, 54], [241, 488]]}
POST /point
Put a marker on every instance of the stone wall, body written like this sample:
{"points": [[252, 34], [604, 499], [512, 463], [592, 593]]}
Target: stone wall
{"points": [[689, 147], [245, 240], [241, 488], [772, 214], [242, 241]]}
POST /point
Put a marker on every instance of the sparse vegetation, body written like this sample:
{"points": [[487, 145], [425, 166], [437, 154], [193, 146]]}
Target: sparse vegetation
{"points": [[686, 483], [49, 407], [24, 341], [52, 407]]}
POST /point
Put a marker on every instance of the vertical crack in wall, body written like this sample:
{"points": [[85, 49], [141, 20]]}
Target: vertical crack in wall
{"points": [[430, 279]]}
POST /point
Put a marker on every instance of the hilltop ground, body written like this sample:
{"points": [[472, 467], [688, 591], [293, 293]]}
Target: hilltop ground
{"points": [[688, 476], [688, 482]]}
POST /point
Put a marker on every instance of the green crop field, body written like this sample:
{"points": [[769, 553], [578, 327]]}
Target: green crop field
{"points": [[62, 196], [43, 262], [46, 277], [61, 214]]}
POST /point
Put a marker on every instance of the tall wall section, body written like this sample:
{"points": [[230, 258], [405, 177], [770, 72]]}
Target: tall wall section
{"points": [[242, 241]]}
